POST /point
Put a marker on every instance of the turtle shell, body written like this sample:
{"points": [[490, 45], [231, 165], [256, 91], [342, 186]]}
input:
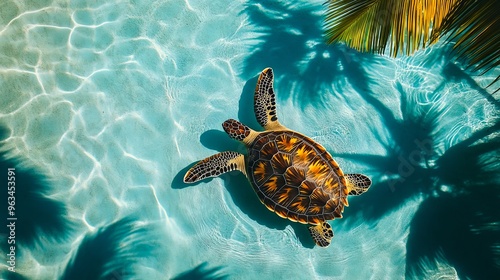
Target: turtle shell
{"points": [[296, 177]]}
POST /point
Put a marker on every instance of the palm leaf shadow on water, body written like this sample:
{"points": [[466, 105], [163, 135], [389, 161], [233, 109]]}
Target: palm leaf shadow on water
{"points": [[112, 251], [14, 276], [40, 219], [402, 173], [458, 220], [452, 73], [461, 224], [201, 272], [291, 42]]}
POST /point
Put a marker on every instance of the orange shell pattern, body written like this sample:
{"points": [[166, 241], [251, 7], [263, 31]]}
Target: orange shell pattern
{"points": [[296, 177]]}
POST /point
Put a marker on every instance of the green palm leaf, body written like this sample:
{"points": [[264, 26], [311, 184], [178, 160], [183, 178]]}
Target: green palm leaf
{"points": [[475, 25], [372, 25], [404, 26]]}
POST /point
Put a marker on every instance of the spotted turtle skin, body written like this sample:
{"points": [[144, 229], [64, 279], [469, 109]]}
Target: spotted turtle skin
{"points": [[296, 178]]}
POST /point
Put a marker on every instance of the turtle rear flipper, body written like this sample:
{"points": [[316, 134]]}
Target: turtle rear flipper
{"points": [[215, 166], [265, 101], [357, 183], [322, 234]]}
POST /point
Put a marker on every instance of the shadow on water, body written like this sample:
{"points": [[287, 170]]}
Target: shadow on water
{"points": [[453, 73], [14, 276], [40, 219], [201, 272], [460, 229], [38, 216], [403, 172], [103, 254], [458, 220], [460, 224], [291, 42], [473, 161], [219, 141]]}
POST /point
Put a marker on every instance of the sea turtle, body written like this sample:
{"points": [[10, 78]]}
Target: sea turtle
{"points": [[293, 176]]}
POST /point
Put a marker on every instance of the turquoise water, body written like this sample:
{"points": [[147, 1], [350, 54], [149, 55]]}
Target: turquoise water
{"points": [[105, 106]]}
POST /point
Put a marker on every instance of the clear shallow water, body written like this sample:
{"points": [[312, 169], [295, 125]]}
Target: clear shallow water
{"points": [[105, 106]]}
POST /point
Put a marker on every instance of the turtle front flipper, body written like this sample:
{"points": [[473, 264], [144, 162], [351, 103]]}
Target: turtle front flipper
{"points": [[265, 101], [239, 131], [357, 183], [322, 234], [215, 166]]}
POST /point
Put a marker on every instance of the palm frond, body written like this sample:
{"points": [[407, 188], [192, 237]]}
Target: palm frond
{"points": [[372, 25], [408, 25], [474, 25]]}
